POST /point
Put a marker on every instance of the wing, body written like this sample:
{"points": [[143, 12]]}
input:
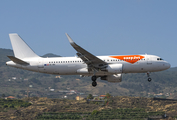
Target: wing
{"points": [[91, 60]]}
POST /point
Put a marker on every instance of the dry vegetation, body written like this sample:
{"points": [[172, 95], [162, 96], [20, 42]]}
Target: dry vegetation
{"points": [[45, 105]]}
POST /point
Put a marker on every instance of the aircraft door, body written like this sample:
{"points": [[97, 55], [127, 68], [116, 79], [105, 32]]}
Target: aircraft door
{"points": [[149, 61], [40, 65]]}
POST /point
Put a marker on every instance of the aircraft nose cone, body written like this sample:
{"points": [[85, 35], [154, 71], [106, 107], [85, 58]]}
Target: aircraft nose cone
{"points": [[167, 65]]}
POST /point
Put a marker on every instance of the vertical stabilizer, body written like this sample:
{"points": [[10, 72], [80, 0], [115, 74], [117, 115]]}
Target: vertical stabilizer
{"points": [[20, 48]]}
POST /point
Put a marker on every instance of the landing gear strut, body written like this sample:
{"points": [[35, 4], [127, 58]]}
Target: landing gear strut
{"points": [[94, 83], [149, 79]]}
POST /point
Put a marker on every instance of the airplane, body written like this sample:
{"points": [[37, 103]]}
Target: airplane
{"points": [[109, 68]]}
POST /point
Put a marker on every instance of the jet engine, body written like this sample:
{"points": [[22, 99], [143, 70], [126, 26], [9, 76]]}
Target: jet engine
{"points": [[114, 68], [112, 78], [82, 71]]}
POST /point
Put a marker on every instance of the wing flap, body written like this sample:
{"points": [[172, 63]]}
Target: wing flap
{"points": [[18, 61]]}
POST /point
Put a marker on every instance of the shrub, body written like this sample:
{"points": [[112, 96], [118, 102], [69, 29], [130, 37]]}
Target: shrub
{"points": [[11, 106], [5, 106], [95, 112]]}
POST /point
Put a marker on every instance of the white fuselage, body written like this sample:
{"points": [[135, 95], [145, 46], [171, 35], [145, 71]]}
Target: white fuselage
{"points": [[108, 68], [75, 65]]}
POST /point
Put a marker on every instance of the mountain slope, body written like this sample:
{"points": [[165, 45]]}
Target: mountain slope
{"points": [[131, 85]]}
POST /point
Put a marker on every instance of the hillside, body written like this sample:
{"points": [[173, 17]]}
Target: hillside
{"points": [[110, 108], [16, 82], [51, 55]]}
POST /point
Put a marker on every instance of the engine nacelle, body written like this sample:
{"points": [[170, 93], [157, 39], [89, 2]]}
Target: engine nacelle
{"points": [[114, 68], [83, 71], [112, 78]]}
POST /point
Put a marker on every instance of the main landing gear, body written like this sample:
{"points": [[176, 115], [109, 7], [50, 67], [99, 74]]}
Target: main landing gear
{"points": [[94, 83], [149, 79]]}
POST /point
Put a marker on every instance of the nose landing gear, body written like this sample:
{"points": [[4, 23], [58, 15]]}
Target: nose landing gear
{"points": [[149, 79], [94, 83]]}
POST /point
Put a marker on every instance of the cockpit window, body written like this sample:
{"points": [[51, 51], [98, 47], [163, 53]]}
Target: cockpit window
{"points": [[159, 59]]}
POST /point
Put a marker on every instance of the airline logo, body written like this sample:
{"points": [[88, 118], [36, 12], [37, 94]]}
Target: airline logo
{"points": [[129, 58]]}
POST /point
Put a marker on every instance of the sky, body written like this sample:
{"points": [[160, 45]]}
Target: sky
{"points": [[109, 27]]}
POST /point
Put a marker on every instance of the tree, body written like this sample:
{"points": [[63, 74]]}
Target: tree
{"points": [[90, 96], [3, 95], [5, 106], [17, 96], [108, 95]]}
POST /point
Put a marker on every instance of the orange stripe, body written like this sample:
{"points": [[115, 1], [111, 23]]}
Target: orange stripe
{"points": [[129, 58]]}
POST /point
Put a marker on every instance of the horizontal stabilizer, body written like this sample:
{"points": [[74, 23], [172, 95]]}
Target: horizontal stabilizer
{"points": [[18, 61]]}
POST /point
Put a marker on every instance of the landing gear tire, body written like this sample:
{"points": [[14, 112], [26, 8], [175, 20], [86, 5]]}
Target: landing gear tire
{"points": [[94, 78], [149, 79], [94, 83]]}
